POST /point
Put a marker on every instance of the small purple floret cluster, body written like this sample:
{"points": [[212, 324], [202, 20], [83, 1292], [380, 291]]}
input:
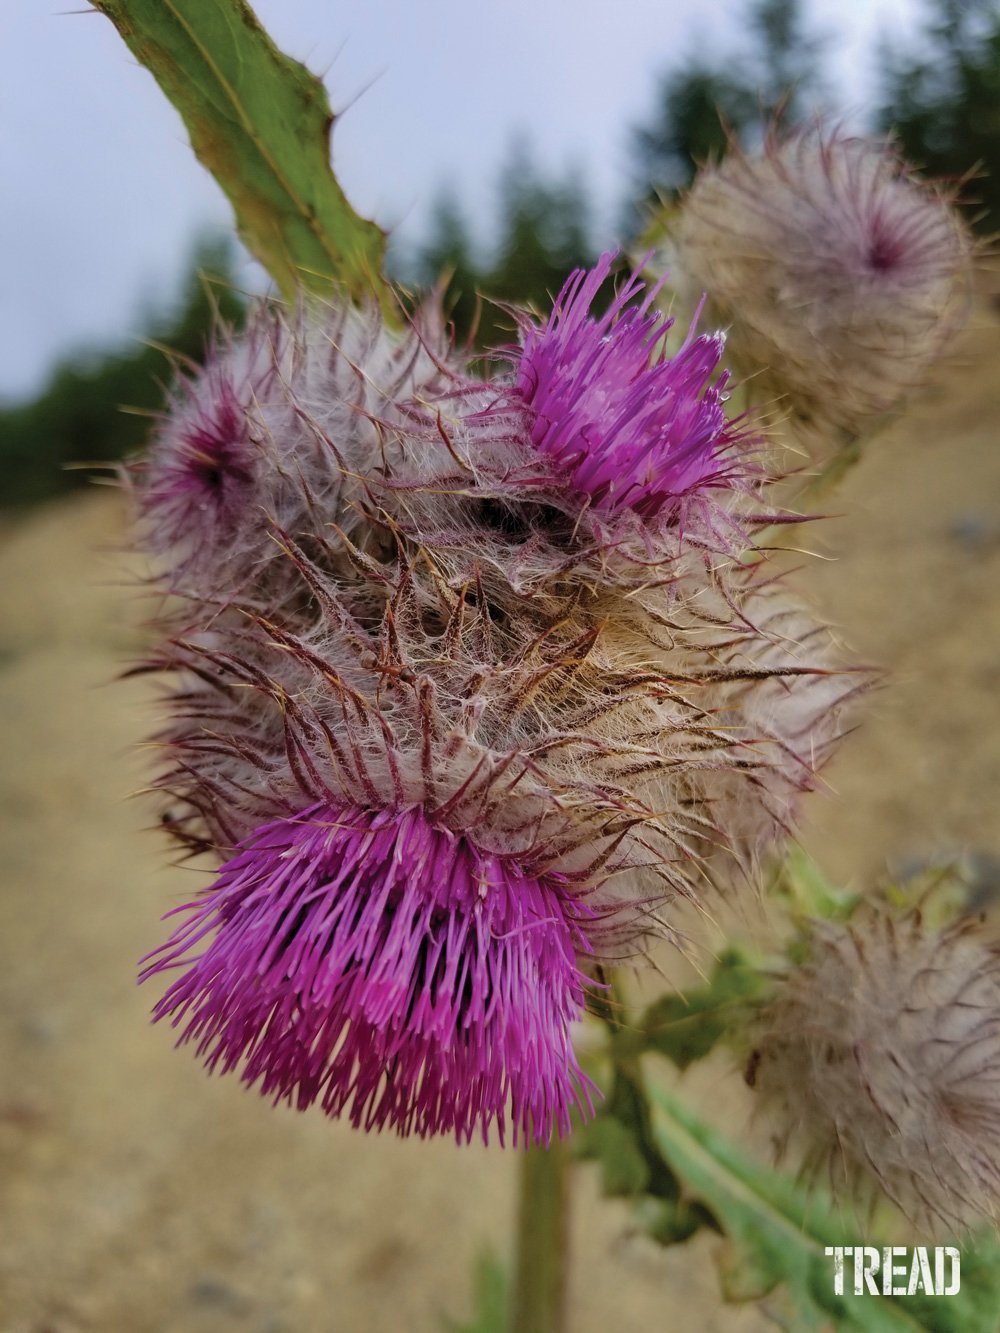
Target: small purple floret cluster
{"points": [[633, 427]]}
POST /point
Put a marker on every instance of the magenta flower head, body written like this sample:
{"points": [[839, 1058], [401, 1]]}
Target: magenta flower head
{"points": [[624, 422], [389, 970], [839, 274]]}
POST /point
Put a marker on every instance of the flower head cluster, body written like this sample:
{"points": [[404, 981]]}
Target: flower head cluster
{"points": [[470, 682], [881, 1057], [835, 270]]}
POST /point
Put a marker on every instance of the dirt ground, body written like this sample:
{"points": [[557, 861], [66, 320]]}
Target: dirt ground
{"points": [[139, 1195]]}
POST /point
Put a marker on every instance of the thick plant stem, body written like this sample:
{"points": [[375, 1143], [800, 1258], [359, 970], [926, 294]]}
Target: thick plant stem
{"points": [[539, 1297]]}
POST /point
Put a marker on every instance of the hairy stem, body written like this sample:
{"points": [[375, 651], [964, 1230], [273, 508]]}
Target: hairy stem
{"points": [[539, 1298]]}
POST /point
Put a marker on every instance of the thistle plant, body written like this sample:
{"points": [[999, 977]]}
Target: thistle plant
{"points": [[474, 679], [471, 686], [880, 1051]]}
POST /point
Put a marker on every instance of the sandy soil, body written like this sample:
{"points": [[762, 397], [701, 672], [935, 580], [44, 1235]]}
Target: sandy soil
{"points": [[141, 1196]]}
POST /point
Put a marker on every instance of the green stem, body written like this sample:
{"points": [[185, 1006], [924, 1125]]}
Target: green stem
{"points": [[539, 1304]]}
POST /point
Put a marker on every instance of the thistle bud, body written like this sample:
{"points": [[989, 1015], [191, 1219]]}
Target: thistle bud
{"points": [[837, 272], [275, 433], [881, 1058]]}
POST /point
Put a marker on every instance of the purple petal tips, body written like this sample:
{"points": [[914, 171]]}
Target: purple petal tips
{"points": [[389, 970], [632, 427]]}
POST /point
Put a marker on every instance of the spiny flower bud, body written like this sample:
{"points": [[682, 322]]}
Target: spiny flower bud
{"points": [[469, 684], [836, 271], [277, 432], [881, 1057]]}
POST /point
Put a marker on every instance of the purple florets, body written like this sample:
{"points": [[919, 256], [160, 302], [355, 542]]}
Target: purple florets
{"points": [[632, 427], [389, 970]]}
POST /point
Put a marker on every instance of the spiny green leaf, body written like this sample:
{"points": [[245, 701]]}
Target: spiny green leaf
{"points": [[776, 1238], [260, 122], [686, 1027]]}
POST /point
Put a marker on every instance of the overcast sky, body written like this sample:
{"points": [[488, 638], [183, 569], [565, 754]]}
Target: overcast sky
{"points": [[100, 195]]}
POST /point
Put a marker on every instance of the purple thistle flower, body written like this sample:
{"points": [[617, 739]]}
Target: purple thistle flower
{"points": [[632, 427], [390, 970], [461, 736]]}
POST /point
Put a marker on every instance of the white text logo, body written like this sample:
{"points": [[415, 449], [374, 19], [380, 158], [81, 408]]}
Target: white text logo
{"points": [[897, 1271]]}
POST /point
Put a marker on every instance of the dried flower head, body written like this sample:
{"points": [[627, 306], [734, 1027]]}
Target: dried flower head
{"points": [[459, 712], [881, 1057], [835, 269]]}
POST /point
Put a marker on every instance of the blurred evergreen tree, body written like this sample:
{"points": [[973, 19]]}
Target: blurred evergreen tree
{"points": [[542, 235], [944, 103], [697, 109], [543, 231], [448, 256], [789, 57], [701, 105], [77, 419]]}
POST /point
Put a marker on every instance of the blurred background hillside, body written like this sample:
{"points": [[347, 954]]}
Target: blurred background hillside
{"points": [[137, 1195]]}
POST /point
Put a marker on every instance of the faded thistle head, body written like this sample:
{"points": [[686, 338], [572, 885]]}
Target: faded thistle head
{"points": [[880, 1058], [839, 275], [470, 681]]}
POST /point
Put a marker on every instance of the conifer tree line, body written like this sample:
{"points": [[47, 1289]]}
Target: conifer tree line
{"points": [[940, 96]]}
